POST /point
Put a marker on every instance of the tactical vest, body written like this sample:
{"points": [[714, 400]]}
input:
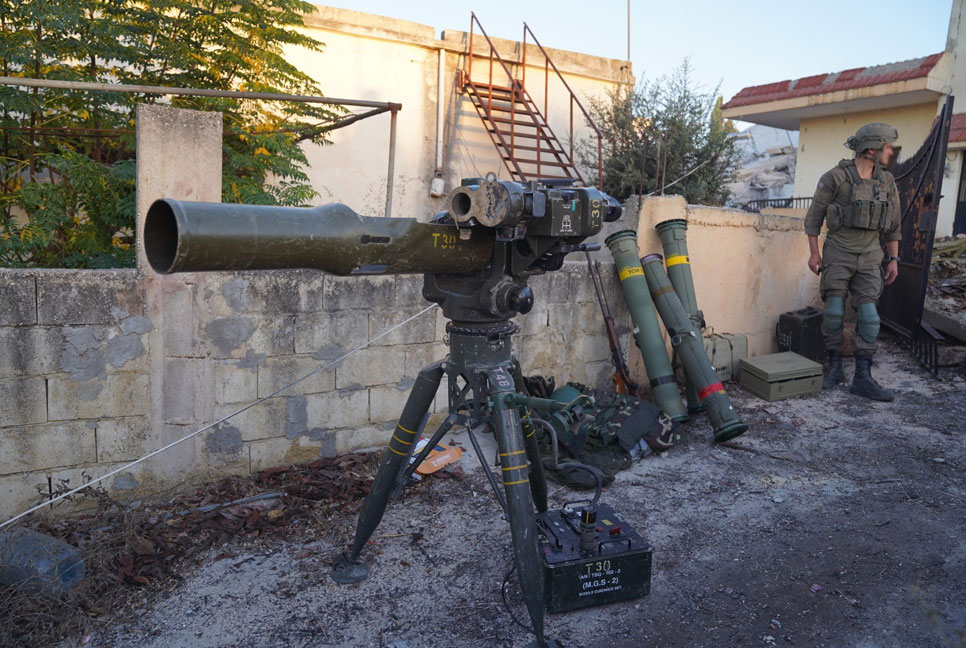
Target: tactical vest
{"points": [[867, 208]]}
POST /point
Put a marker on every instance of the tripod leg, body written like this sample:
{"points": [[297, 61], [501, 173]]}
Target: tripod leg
{"points": [[509, 436], [348, 569], [538, 479], [445, 427]]}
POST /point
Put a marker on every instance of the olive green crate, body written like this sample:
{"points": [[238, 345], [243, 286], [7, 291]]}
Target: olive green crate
{"points": [[780, 375]]}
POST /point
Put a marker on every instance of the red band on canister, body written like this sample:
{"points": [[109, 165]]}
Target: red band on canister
{"points": [[710, 389]]}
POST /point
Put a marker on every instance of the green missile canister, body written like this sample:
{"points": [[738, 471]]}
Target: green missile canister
{"points": [[674, 240], [687, 341], [647, 331]]}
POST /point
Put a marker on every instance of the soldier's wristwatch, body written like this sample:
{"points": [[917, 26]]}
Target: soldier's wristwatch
{"points": [[895, 258]]}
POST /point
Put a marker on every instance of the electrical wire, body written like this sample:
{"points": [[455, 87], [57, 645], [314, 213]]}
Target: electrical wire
{"points": [[218, 422]]}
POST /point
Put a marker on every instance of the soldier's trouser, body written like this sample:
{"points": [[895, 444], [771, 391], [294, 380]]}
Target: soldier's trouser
{"points": [[860, 274]]}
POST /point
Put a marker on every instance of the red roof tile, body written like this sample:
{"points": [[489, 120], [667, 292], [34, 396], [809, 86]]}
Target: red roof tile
{"points": [[845, 80], [957, 128]]}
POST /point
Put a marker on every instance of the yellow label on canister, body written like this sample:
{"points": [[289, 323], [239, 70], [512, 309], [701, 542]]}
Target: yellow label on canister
{"points": [[675, 260], [630, 272]]}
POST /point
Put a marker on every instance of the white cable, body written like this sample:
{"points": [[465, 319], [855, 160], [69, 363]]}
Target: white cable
{"points": [[218, 422], [671, 184]]}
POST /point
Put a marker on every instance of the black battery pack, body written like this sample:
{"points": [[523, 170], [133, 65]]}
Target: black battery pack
{"points": [[801, 331], [617, 569]]}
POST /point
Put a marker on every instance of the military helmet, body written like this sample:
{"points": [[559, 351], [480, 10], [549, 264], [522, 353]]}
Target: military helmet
{"points": [[872, 136]]}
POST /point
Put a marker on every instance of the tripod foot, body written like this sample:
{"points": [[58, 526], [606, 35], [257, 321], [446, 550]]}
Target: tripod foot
{"points": [[347, 571]]}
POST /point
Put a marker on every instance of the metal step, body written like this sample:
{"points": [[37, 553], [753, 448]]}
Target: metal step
{"points": [[565, 165]]}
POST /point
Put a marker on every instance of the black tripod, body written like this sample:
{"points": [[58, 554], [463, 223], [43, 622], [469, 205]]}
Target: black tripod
{"points": [[486, 391]]}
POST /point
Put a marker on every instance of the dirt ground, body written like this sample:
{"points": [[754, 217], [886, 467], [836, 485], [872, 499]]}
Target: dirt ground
{"points": [[832, 522]]}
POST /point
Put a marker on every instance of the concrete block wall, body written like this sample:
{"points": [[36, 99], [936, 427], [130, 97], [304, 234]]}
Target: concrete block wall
{"points": [[73, 380], [77, 368]]}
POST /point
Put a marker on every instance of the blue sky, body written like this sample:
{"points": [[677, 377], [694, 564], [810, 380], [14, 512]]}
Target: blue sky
{"points": [[736, 44]]}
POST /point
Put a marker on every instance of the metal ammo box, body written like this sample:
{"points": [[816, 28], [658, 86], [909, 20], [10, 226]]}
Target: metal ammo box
{"points": [[801, 331], [780, 375], [618, 569]]}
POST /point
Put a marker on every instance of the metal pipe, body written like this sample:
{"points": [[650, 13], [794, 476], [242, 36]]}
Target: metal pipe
{"points": [[194, 92], [392, 163], [440, 114]]}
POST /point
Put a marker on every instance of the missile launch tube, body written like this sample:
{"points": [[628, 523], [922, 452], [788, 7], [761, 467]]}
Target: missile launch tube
{"points": [[184, 236], [687, 341], [674, 241], [647, 331]]}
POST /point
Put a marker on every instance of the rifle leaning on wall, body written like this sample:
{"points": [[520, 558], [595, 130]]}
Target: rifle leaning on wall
{"points": [[623, 383]]}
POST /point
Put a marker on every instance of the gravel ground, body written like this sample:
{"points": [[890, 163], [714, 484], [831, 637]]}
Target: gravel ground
{"points": [[832, 522]]}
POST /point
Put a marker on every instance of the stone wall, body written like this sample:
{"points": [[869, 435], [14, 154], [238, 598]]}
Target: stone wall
{"points": [[76, 377]]}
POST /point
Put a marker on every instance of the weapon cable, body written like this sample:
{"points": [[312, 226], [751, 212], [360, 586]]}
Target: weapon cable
{"points": [[74, 491]]}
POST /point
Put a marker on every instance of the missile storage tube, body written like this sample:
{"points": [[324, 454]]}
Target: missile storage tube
{"points": [[687, 341], [674, 241], [647, 331]]}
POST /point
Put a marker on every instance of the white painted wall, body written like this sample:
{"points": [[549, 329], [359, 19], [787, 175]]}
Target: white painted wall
{"points": [[821, 141], [385, 59]]}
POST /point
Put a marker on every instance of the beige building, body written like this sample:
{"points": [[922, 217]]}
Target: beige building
{"points": [[827, 108], [387, 59]]}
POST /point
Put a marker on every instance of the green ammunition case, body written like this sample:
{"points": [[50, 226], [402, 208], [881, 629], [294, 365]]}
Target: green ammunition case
{"points": [[780, 375]]}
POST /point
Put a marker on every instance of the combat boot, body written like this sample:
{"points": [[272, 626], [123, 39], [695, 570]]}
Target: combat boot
{"points": [[863, 384], [833, 374]]}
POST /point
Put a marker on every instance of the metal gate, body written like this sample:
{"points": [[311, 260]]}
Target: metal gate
{"points": [[919, 180]]}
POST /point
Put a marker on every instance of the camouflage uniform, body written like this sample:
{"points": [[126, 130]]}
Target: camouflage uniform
{"points": [[852, 256]]}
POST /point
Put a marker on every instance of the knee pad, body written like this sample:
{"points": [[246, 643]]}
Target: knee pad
{"points": [[834, 317], [868, 322]]}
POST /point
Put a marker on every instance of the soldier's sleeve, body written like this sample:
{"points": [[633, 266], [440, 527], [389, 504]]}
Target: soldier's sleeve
{"points": [[894, 229], [824, 193]]}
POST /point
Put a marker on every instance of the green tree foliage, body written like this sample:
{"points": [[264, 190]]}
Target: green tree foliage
{"points": [[668, 134], [67, 157]]}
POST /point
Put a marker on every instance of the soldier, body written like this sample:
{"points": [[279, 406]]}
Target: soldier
{"points": [[858, 201]]}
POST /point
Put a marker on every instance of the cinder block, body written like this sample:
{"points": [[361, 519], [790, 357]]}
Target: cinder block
{"points": [[282, 370], [46, 446], [351, 439], [581, 284], [331, 333], [372, 366], [279, 292], [186, 391], [265, 420], [22, 401], [311, 293], [122, 394], [18, 298], [422, 329], [132, 481], [588, 348], [338, 409], [22, 491], [269, 453], [87, 296], [274, 335], [343, 293], [409, 292], [182, 318], [233, 384], [536, 322], [419, 356], [386, 403], [551, 288], [228, 337], [29, 350], [124, 439]]}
